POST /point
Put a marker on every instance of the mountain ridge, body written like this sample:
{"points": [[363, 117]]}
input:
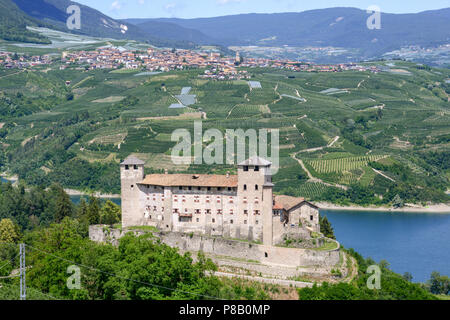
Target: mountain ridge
{"points": [[338, 27]]}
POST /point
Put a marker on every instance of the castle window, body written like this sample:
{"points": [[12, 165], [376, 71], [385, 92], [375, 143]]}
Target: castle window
{"points": [[256, 200], [199, 188], [213, 220], [127, 167], [229, 189], [132, 186], [245, 187], [185, 219], [245, 221], [266, 255], [180, 188], [198, 220], [219, 211], [257, 221], [197, 211], [245, 199], [256, 212], [150, 217], [231, 221], [245, 211], [311, 218], [135, 167], [256, 168], [231, 211], [246, 168], [189, 188], [209, 188], [208, 211], [256, 187], [219, 188]]}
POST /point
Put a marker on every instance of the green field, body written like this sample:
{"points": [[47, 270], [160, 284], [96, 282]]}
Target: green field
{"points": [[76, 134]]}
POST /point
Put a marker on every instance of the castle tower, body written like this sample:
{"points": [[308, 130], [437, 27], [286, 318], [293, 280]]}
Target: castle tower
{"points": [[131, 173], [255, 196]]}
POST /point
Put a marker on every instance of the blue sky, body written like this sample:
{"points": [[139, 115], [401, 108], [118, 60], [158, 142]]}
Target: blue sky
{"points": [[212, 8]]}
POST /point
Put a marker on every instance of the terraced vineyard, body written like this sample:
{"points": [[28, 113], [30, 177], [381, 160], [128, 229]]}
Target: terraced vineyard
{"points": [[343, 164], [392, 123]]}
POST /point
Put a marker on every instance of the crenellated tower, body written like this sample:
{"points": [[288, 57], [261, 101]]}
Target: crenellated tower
{"points": [[131, 173], [255, 195]]}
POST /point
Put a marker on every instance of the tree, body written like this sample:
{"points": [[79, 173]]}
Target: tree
{"points": [[82, 211], [9, 231], [326, 228], [93, 211], [63, 205], [397, 202], [110, 213], [439, 284], [407, 276]]}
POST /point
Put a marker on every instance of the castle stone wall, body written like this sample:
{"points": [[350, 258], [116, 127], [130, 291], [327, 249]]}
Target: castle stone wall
{"points": [[269, 255]]}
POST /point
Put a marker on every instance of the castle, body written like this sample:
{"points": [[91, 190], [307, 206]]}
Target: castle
{"points": [[238, 206]]}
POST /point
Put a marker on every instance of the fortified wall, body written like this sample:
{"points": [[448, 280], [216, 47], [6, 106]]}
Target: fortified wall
{"points": [[268, 255]]}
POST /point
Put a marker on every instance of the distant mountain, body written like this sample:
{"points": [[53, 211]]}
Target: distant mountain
{"points": [[172, 31], [13, 24], [52, 14], [339, 27]]}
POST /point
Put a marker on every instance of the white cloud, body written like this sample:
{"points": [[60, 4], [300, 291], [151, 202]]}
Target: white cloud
{"points": [[116, 5], [228, 1], [170, 6]]}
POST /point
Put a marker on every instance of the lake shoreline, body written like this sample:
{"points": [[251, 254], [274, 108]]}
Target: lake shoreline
{"points": [[72, 192], [435, 208]]}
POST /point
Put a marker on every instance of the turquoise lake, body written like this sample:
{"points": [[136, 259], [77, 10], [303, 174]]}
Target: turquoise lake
{"points": [[418, 243]]}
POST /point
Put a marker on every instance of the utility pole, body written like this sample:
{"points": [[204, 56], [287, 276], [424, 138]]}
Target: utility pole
{"points": [[23, 285]]}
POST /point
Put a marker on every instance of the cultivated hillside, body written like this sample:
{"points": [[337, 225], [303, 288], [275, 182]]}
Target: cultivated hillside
{"points": [[13, 24]]}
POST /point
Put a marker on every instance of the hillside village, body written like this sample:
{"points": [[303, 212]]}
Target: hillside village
{"points": [[11, 60], [217, 66]]}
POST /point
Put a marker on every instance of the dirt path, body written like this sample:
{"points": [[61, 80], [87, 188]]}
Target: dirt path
{"points": [[317, 180], [310, 176], [287, 283], [354, 269], [321, 148], [383, 175]]}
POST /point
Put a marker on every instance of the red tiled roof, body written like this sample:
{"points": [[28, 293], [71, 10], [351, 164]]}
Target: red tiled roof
{"points": [[191, 180], [287, 202]]}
